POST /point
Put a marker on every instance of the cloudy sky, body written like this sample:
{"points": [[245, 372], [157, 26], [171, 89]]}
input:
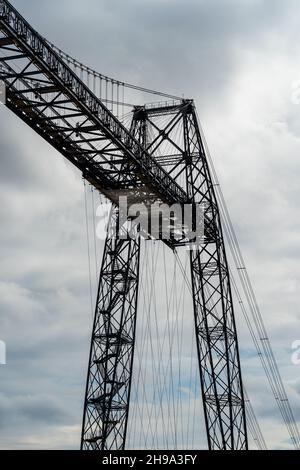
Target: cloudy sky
{"points": [[240, 61]]}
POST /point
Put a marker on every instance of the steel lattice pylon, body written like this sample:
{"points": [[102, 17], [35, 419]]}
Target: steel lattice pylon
{"points": [[178, 146]]}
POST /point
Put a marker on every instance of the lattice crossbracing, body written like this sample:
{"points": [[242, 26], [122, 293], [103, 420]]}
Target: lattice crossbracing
{"points": [[111, 356], [156, 151]]}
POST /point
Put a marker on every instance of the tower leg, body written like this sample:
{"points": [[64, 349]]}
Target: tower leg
{"points": [[112, 347]]}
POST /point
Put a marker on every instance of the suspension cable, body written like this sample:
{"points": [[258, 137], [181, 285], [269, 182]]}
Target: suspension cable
{"points": [[259, 333]]}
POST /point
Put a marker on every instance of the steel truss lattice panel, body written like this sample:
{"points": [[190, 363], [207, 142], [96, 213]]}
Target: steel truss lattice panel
{"points": [[161, 155]]}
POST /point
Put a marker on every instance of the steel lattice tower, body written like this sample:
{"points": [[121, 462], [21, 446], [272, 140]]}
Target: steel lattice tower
{"points": [[111, 357], [47, 94], [216, 335]]}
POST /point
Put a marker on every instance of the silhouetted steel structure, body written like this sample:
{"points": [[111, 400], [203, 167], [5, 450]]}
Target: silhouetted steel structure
{"points": [[213, 308], [151, 159]]}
